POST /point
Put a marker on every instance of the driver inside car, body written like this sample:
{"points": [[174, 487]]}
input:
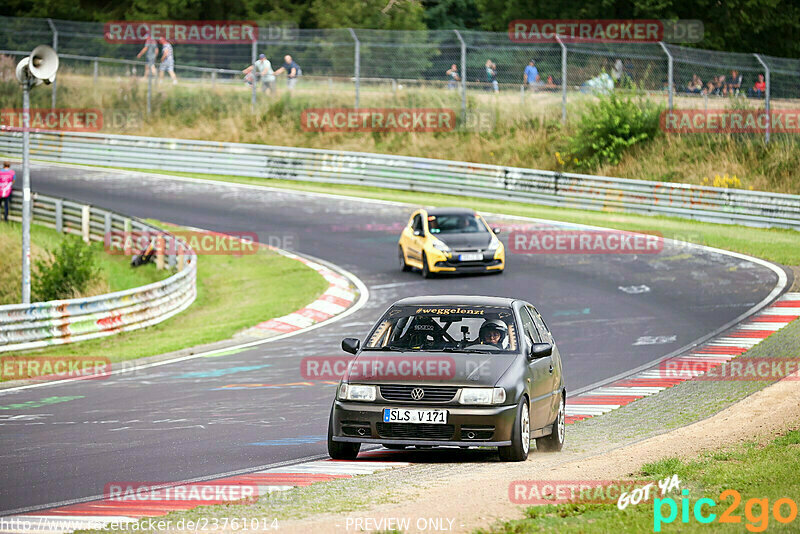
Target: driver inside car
{"points": [[493, 332]]}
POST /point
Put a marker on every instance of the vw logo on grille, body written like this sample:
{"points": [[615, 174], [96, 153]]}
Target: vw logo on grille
{"points": [[417, 393]]}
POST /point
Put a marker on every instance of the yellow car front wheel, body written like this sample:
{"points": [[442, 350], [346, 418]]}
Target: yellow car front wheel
{"points": [[426, 273]]}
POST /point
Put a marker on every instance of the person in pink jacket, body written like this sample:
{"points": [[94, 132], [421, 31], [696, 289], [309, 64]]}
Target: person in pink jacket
{"points": [[6, 180]]}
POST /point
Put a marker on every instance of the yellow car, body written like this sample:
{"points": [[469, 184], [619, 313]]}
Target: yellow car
{"points": [[450, 240]]}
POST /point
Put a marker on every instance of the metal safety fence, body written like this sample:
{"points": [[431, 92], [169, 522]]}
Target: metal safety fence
{"points": [[378, 61], [710, 204], [41, 324]]}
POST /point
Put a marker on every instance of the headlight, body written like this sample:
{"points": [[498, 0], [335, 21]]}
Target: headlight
{"points": [[354, 392], [495, 243], [438, 245], [482, 396]]}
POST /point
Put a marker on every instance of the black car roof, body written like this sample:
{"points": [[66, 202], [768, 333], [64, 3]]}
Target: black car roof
{"points": [[455, 300], [450, 211]]}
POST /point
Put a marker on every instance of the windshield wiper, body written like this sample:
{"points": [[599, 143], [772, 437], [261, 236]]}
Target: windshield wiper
{"points": [[388, 348]]}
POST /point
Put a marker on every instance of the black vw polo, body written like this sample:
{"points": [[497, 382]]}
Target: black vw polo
{"points": [[452, 371]]}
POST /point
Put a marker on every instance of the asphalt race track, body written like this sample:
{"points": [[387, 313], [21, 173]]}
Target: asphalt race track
{"points": [[179, 422]]}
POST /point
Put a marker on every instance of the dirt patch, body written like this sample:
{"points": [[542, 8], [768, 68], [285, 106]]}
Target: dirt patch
{"points": [[796, 270], [465, 500]]}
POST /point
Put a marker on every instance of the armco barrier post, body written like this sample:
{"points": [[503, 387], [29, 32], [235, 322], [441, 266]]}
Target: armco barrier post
{"points": [[85, 215], [94, 74], [766, 95], [160, 252], [126, 232], [59, 205], [107, 225], [181, 257], [172, 260]]}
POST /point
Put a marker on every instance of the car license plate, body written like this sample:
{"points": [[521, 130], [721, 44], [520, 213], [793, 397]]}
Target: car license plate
{"points": [[472, 256], [407, 415]]}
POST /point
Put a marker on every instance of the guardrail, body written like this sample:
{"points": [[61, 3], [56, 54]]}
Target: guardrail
{"points": [[709, 204], [30, 326]]}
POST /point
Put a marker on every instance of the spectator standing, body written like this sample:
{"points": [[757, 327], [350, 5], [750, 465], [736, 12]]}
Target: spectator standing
{"points": [[491, 75], [530, 76], [261, 70], [453, 77], [7, 176], [167, 61], [150, 52], [617, 71], [292, 70]]}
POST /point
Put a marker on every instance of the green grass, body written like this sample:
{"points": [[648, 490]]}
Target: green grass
{"points": [[232, 293], [525, 134], [116, 273], [756, 472], [777, 245]]}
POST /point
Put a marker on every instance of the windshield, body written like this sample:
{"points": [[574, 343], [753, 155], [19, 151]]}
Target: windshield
{"points": [[445, 328], [456, 224]]}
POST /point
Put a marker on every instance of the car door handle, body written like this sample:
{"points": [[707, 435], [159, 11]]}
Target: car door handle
{"points": [[551, 368]]}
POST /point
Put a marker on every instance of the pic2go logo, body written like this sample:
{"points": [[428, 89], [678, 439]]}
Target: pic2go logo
{"points": [[757, 521]]}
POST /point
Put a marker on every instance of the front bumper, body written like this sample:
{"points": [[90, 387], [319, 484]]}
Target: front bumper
{"points": [[443, 263], [466, 426]]}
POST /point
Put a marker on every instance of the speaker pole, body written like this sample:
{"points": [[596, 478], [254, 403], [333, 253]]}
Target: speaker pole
{"points": [[26, 193]]}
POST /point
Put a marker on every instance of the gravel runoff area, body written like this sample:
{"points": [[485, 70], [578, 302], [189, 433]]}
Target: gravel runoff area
{"points": [[469, 490]]}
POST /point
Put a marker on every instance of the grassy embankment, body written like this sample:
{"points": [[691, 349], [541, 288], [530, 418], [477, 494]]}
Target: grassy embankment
{"points": [[233, 292], [526, 134], [116, 273], [765, 473]]}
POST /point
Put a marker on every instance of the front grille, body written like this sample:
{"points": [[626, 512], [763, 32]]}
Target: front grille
{"points": [[415, 431], [431, 393]]}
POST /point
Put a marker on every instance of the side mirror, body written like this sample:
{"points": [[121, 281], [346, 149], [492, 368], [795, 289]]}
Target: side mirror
{"points": [[540, 350], [496, 230], [417, 232], [351, 345]]}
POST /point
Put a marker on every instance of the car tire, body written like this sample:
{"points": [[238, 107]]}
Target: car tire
{"points": [[426, 272], [520, 435], [402, 260], [555, 441], [340, 450]]}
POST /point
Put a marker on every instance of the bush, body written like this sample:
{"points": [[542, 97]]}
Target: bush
{"points": [[610, 126], [66, 274]]}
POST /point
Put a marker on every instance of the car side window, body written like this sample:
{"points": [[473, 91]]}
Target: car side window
{"points": [[528, 327], [540, 326], [417, 224]]}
